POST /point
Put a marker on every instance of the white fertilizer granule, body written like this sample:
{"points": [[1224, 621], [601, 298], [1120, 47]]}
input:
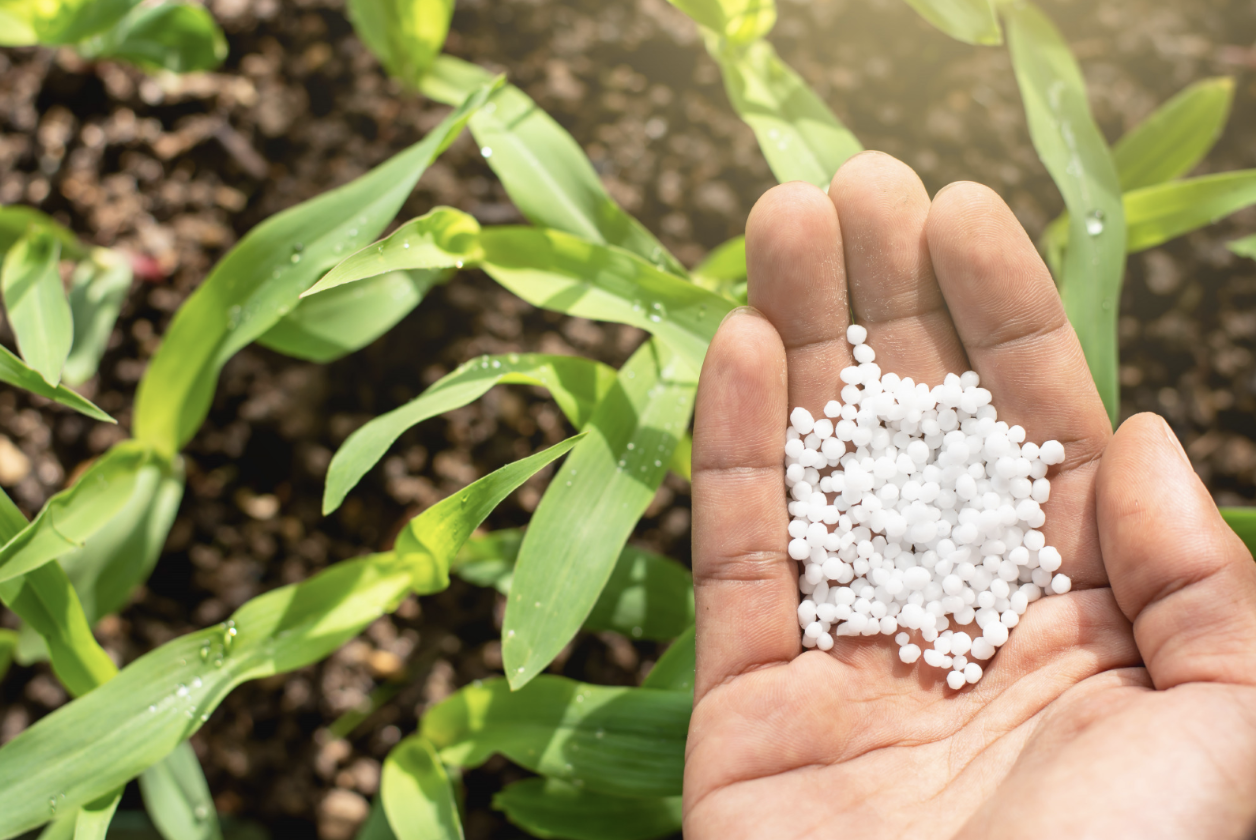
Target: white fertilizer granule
{"points": [[916, 509]]}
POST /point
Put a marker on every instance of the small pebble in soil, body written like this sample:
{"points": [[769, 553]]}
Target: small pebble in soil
{"points": [[916, 513]]}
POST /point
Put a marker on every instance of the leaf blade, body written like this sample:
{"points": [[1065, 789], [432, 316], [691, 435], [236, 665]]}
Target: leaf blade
{"points": [[582, 522], [96, 296], [177, 37], [798, 134], [1176, 136], [36, 305], [1076, 155], [550, 808], [1162, 212], [261, 279], [417, 794], [576, 384], [970, 21], [177, 798], [16, 372]]}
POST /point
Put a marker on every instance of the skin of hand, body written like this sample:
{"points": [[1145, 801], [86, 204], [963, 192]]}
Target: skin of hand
{"points": [[1125, 708]]}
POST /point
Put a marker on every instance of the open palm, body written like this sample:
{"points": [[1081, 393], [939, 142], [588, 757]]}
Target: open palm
{"points": [[1126, 708]]}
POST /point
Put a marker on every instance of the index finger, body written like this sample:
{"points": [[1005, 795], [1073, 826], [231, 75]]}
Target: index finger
{"points": [[745, 584]]}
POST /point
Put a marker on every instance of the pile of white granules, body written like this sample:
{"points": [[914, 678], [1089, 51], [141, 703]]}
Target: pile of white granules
{"points": [[931, 524]]}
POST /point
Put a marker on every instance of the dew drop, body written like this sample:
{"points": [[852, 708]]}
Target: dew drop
{"points": [[520, 669], [353, 231], [636, 632], [458, 264], [601, 733], [658, 463], [182, 690], [205, 652], [295, 258], [510, 634], [537, 604], [496, 363], [631, 445], [152, 709], [298, 247], [52, 805], [1094, 223], [486, 152], [196, 682], [405, 244], [201, 812]]}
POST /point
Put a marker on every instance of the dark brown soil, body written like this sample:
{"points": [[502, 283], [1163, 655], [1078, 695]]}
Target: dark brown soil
{"points": [[177, 170]]}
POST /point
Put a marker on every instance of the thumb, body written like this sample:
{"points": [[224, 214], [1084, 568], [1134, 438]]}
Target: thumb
{"points": [[1178, 572]]}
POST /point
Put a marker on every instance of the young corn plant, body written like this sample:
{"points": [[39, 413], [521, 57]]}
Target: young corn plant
{"points": [[316, 283], [174, 37]]}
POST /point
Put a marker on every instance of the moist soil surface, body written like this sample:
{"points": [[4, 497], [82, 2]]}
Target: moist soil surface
{"points": [[176, 170]]}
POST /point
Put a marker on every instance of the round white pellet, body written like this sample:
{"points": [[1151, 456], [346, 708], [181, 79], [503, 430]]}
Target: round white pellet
{"points": [[1061, 584], [856, 334], [972, 673], [982, 649], [801, 419], [799, 550], [961, 643], [995, 633], [1010, 618], [824, 642], [864, 354], [1049, 559], [1051, 453], [909, 653], [955, 680]]}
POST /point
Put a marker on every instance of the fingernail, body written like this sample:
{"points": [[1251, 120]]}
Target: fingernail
{"points": [[1175, 444], [742, 310]]}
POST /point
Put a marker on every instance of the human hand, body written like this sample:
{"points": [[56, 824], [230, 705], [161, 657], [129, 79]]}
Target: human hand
{"points": [[1125, 708]]}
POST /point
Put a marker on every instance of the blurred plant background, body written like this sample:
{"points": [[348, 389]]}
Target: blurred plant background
{"points": [[172, 170]]}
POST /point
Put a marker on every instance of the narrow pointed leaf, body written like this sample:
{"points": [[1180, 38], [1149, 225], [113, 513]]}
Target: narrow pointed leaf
{"points": [[576, 384], [1243, 522], [544, 170], [622, 741], [675, 668], [1176, 137], [800, 137], [647, 596], [1159, 213], [177, 798], [17, 219], [417, 794], [1075, 153], [97, 292], [46, 601], [56, 22], [1245, 247], [741, 21], [36, 305], [405, 35], [970, 21], [339, 322], [261, 279], [177, 37], [92, 745], [591, 507], [443, 238], [77, 513], [725, 264], [93, 818], [557, 271], [550, 808], [16, 372], [8, 642]]}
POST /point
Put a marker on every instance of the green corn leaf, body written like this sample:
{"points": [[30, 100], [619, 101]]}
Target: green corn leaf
{"points": [[35, 302], [16, 220], [1073, 150], [440, 531], [176, 37], [15, 372], [333, 324], [121, 555], [56, 22], [376, 826], [590, 508], [77, 513], [682, 458], [97, 292], [1243, 521], [1245, 247], [576, 384], [8, 642], [544, 170], [622, 741], [550, 808], [1159, 213], [647, 596], [46, 601], [405, 35], [261, 280], [800, 137], [176, 796], [92, 822], [117, 558], [442, 238], [558, 271], [970, 21], [98, 742], [675, 667], [1176, 137], [417, 794], [740, 21], [1156, 214], [725, 264]]}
